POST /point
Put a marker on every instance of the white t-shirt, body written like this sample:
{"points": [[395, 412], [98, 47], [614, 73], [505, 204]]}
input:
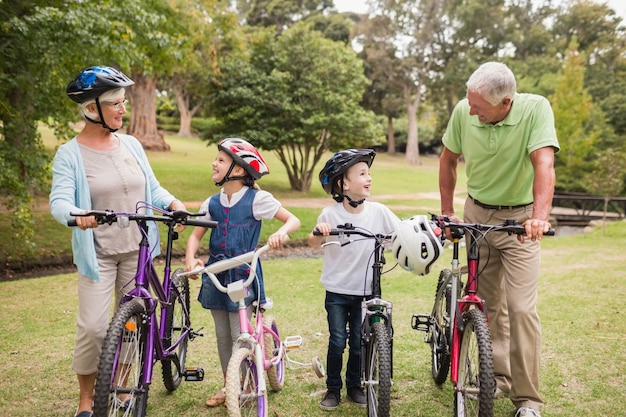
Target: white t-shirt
{"points": [[346, 267], [265, 206]]}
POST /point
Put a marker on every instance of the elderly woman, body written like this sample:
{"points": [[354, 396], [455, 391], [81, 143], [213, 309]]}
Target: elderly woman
{"points": [[100, 169]]}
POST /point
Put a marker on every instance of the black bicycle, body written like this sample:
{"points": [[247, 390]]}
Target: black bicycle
{"points": [[376, 327]]}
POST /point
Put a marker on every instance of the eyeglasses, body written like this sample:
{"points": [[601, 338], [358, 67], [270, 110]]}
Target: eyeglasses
{"points": [[116, 106]]}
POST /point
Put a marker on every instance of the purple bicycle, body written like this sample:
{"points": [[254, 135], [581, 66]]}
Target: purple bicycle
{"points": [[151, 324]]}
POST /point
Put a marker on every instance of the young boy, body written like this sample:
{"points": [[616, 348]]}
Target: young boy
{"points": [[346, 177]]}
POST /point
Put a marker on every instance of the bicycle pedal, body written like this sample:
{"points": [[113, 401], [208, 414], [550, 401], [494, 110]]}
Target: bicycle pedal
{"points": [[420, 322], [293, 342], [193, 374], [193, 334]]}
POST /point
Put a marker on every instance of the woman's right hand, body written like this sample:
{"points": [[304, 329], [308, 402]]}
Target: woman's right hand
{"points": [[84, 223]]}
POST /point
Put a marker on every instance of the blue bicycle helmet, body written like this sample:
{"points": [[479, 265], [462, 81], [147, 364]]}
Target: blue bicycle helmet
{"points": [[338, 164], [92, 82]]}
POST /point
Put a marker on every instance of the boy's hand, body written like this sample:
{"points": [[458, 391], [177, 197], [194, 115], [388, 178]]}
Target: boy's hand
{"points": [[323, 228]]}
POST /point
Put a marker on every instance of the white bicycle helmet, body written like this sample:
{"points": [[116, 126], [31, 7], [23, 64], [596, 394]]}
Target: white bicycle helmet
{"points": [[416, 244]]}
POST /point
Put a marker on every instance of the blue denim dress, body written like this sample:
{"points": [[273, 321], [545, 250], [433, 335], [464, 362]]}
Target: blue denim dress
{"points": [[237, 233]]}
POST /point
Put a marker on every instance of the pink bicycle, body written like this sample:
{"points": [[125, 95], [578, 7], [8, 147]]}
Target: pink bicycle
{"points": [[259, 350]]}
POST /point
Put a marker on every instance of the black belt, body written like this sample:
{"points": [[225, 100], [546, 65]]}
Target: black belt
{"points": [[491, 207]]}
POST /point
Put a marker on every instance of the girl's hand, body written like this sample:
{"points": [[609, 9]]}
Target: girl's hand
{"points": [[276, 239], [193, 264]]}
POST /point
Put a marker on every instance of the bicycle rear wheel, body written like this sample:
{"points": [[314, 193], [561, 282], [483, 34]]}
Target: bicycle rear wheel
{"points": [[378, 372], [242, 382], [439, 337], [119, 389], [177, 321], [473, 395], [276, 373]]}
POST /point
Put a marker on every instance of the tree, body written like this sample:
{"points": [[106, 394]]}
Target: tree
{"points": [[380, 58], [297, 95], [210, 31], [418, 28], [573, 107]]}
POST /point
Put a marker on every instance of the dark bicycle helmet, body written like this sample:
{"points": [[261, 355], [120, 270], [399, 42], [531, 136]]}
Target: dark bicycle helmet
{"points": [[92, 82], [244, 155], [416, 244], [338, 164]]}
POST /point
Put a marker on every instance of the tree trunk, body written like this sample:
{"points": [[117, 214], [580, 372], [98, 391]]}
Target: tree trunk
{"points": [[186, 114], [391, 139], [143, 123], [412, 155]]}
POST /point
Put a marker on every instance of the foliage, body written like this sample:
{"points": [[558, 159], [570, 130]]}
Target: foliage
{"points": [[298, 95]]}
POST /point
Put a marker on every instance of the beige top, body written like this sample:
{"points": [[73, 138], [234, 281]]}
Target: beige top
{"points": [[117, 183]]}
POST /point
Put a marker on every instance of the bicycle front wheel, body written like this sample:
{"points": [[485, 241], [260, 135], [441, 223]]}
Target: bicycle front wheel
{"points": [[440, 329], [378, 372], [242, 383], [275, 373], [473, 395], [177, 322], [119, 389]]}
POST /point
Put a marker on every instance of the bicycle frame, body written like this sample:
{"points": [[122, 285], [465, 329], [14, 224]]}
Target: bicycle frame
{"points": [[251, 339], [251, 335], [470, 299], [147, 278], [151, 333]]}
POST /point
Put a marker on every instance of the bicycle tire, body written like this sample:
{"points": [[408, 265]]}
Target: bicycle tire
{"points": [[242, 381], [177, 321], [123, 350], [275, 373], [439, 338], [476, 386], [378, 372]]}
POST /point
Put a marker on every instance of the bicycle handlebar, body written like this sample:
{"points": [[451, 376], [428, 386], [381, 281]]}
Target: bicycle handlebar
{"points": [[457, 228], [178, 216], [348, 229], [250, 258]]}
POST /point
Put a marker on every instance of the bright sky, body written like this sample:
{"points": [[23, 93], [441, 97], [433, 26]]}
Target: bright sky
{"points": [[359, 6]]}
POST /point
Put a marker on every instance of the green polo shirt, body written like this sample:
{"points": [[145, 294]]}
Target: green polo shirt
{"points": [[497, 162]]}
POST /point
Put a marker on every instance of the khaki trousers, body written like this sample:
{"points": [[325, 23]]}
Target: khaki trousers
{"points": [[508, 283], [94, 307]]}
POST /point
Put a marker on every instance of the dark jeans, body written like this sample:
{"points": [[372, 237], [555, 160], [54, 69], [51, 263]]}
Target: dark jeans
{"points": [[343, 310]]}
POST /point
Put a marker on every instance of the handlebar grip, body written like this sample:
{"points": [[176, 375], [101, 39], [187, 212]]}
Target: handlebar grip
{"points": [[72, 223], [550, 232], [211, 224], [316, 232]]}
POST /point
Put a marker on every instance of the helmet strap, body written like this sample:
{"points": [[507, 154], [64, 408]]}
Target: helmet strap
{"points": [[227, 176], [354, 203], [101, 122]]}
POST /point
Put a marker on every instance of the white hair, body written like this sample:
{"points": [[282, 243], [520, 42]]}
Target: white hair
{"points": [[494, 81], [110, 95]]}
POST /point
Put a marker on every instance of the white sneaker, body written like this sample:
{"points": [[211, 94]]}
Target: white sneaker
{"points": [[527, 412]]}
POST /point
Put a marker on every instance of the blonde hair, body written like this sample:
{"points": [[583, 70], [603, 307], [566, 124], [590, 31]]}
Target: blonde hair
{"points": [[110, 95]]}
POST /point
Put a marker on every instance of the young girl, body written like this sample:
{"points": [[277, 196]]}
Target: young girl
{"points": [[239, 209]]}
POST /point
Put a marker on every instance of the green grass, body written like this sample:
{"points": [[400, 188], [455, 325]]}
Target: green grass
{"points": [[584, 339]]}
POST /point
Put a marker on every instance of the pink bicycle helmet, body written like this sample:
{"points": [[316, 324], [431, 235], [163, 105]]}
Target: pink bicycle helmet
{"points": [[416, 244], [245, 155]]}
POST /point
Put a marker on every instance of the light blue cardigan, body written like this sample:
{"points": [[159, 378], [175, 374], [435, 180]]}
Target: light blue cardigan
{"points": [[70, 194]]}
